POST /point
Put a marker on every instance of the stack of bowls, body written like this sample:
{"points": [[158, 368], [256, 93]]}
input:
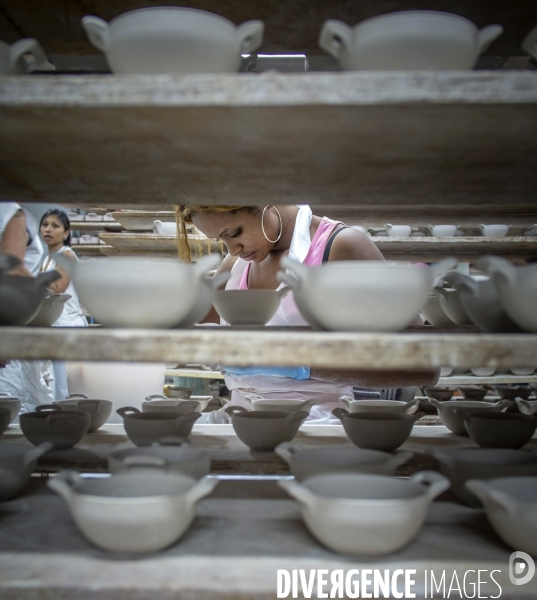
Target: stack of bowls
{"points": [[451, 412]]}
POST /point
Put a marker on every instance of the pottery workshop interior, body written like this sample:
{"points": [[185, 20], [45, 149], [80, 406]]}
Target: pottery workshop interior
{"points": [[268, 299]]}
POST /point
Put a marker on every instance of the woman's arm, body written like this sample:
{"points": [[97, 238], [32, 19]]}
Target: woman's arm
{"points": [[225, 266], [14, 242], [61, 284]]}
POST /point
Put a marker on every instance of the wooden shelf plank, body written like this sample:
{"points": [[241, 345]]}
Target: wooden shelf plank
{"points": [[208, 345], [143, 220], [492, 380], [95, 226], [89, 249], [448, 139], [154, 242]]}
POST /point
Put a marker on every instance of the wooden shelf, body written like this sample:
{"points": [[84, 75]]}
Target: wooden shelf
{"points": [[143, 220], [95, 226], [453, 139], [196, 373], [152, 243], [89, 249], [264, 346], [453, 380]]}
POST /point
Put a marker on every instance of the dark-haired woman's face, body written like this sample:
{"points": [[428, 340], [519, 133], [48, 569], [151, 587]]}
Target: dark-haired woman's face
{"points": [[52, 230]]}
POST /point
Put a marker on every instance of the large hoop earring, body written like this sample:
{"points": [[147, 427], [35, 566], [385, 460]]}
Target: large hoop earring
{"points": [[263, 226]]}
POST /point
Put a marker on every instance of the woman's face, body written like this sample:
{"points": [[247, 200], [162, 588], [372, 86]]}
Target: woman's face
{"points": [[240, 231], [52, 230]]}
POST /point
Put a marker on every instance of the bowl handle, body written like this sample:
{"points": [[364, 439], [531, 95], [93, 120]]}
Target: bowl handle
{"points": [[32, 47], [334, 37], [416, 416], [399, 458], [153, 462], [251, 397], [436, 403], [287, 450], [156, 397], [340, 413], [201, 489], [487, 35], [36, 452], [63, 484], [529, 44], [235, 410], [524, 404], [219, 279], [411, 407], [74, 396], [284, 291], [205, 264], [48, 408], [297, 418], [98, 32], [486, 493], [126, 411], [436, 483], [290, 281], [250, 35], [298, 492], [346, 400], [440, 268]]}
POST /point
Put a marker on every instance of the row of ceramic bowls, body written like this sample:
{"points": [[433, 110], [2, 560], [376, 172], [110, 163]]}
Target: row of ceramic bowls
{"points": [[492, 230], [182, 40], [348, 498]]}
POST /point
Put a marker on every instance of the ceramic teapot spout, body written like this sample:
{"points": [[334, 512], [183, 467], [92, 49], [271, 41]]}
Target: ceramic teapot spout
{"points": [[298, 492], [97, 31], [63, 484], [487, 494], [487, 35]]}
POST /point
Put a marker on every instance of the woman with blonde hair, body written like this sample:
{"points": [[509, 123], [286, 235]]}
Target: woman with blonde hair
{"points": [[256, 239]]}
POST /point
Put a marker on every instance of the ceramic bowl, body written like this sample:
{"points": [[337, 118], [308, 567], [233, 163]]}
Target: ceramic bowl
{"points": [[165, 228], [522, 371], [50, 310], [308, 462], [512, 392], [384, 431], [398, 230], [99, 410], [500, 430], [23, 57], [362, 295], [177, 406], [472, 392], [208, 285], [406, 41], [5, 419], [442, 230], [446, 371], [452, 305], [435, 314], [134, 512], [145, 428], [248, 307], [494, 230], [21, 297], [511, 507], [11, 402], [263, 430], [173, 40], [279, 404], [17, 461], [176, 391], [138, 292], [516, 287], [181, 459], [389, 406], [365, 514], [462, 464], [454, 422], [526, 407], [483, 371], [49, 423], [441, 394]]}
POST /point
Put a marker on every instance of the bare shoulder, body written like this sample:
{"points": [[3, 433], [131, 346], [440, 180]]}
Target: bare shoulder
{"points": [[70, 255], [351, 244]]}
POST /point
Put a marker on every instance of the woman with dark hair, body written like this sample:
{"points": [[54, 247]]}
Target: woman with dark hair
{"points": [[55, 230]]}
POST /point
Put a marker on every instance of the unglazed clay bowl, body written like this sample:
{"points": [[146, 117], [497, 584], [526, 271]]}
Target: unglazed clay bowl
{"points": [[462, 464], [17, 461], [383, 431], [135, 512], [308, 462], [182, 459], [172, 39], [179, 407], [365, 514], [472, 392], [511, 507], [12, 403], [145, 429], [279, 404], [263, 430], [511, 392], [441, 394], [248, 307], [52, 424], [362, 295], [99, 410], [453, 421], [500, 430], [138, 292], [390, 406], [5, 419]]}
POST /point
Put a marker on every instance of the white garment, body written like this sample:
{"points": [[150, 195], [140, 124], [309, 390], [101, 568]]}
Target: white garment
{"points": [[327, 394], [71, 317], [26, 379]]}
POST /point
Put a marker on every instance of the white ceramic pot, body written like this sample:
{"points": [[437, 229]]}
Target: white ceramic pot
{"points": [[308, 462], [17, 461], [494, 230], [173, 40], [517, 289], [135, 512], [391, 406], [483, 371], [442, 230], [365, 514], [398, 230], [511, 507], [361, 295], [454, 422], [23, 57], [406, 41], [248, 307], [165, 228], [522, 371], [462, 464], [139, 292]]}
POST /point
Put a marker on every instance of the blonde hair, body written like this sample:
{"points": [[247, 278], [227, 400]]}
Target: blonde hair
{"points": [[183, 215]]}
